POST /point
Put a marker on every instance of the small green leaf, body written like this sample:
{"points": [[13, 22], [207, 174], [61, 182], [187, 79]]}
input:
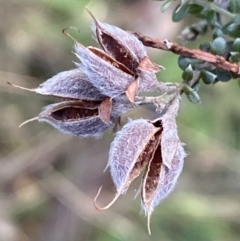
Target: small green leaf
{"points": [[205, 47], [234, 6], [208, 77], [191, 94], [236, 45], [195, 8], [180, 12], [237, 19], [187, 73], [223, 75], [184, 62], [235, 57], [211, 17], [233, 30], [218, 46], [196, 86], [217, 32], [165, 6]]}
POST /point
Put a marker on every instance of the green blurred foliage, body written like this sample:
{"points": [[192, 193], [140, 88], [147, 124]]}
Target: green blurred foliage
{"points": [[48, 179]]}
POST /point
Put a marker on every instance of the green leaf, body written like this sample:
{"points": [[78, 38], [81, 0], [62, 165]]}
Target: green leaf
{"points": [[166, 5], [195, 8], [223, 75], [218, 46], [196, 86], [237, 19], [217, 32], [205, 47], [211, 17], [188, 73], [236, 45], [234, 6], [208, 77], [191, 94], [180, 12], [184, 62], [233, 30], [235, 57]]}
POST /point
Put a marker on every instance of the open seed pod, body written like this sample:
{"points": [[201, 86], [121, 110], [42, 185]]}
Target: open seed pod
{"points": [[78, 118], [130, 151], [166, 165], [123, 46], [105, 73], [123, 62]]}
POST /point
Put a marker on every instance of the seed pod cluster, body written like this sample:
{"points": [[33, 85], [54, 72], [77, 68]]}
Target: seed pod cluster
{"points": [[95, 95], [109, 77], [152, 147]]}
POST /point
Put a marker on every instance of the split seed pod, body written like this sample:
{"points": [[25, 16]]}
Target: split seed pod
{"points": [[78, 118], [132, 148], [110, 77], [165, 167], [128, 58]]}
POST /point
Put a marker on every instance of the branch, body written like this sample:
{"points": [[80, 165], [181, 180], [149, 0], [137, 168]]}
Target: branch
{"points": [[216, 60]]}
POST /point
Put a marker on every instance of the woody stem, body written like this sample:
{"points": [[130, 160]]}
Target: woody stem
{"points": [[217, 61]]}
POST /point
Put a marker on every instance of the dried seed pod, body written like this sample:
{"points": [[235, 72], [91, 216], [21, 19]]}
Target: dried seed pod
{"points": [[159, 180], [132, 148], [166, 165], [105, 73], [78, 118], [123, 62], [71, 84], [123, 46], [170, 139]]}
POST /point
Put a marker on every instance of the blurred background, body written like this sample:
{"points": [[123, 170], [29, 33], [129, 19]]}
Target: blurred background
{"points": [[48, 179]]}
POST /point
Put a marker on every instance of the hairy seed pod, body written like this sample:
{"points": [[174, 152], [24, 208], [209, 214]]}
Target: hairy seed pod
{"points": [[130, 151], [78, 118], [123, 62], [159, 180], [71, 84], [166, 165], [170, 139], [123, 46], [105, 73]]}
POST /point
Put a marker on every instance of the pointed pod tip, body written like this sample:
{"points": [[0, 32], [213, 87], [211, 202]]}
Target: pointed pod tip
{"points": [[20, 87], [108, 205], [29, 120], [148, 223], [64, 31], [90, 13]]}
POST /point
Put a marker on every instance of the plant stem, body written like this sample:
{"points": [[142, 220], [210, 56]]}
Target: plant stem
{"points": [[216, 60], [222, 11]]}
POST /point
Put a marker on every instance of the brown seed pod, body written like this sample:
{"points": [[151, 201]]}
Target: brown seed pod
{"points": [[131, 150], [123, 62], [105, 73], [78, 118], [165, 167], [159, 180], [123, 46]]}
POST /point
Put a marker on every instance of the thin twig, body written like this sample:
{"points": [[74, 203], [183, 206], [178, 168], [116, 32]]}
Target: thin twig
{"points": [[216, 60]]}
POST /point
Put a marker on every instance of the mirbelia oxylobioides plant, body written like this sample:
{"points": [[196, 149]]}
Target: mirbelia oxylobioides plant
{"points": [[106, 84]]}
